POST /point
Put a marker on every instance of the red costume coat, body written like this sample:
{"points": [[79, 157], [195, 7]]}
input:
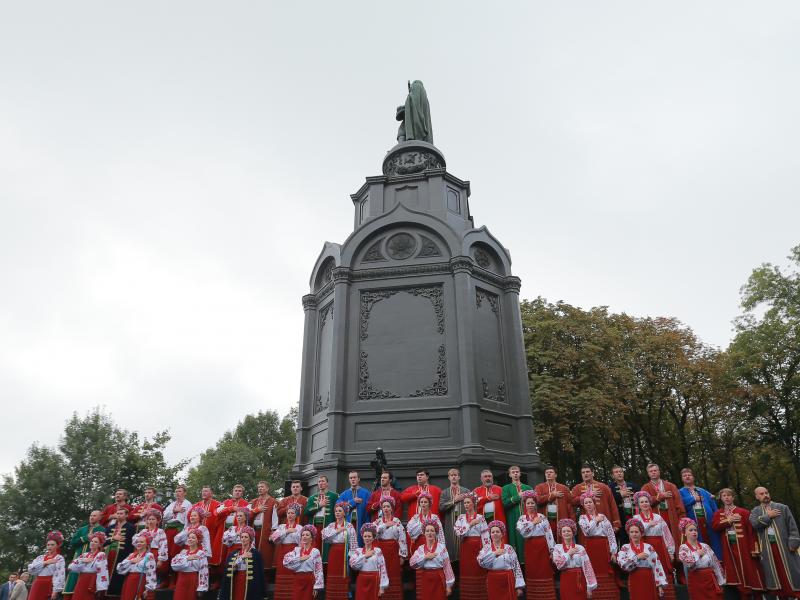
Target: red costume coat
{"points": [[545, 496], [374, 504], [301, 518], [740, 559], [606, 505], [110, 510], [215, 528], [499, 513], [139, 509], [409, 498], [675, 510]]}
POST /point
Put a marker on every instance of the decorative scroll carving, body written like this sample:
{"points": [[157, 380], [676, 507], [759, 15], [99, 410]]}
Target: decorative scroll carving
{"points": [[483, 295], [370, 297], [365, 389], [323, 315], [438, 387], [368, 300], [512, 284], [320, 404], [482, 258], [434, 294], [401, 246], [406, 163], [374, 253], [500, 396], [429, 248]]}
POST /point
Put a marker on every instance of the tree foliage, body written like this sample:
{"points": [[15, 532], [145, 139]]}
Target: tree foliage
{"points": [[261, 447], [56, 488]]}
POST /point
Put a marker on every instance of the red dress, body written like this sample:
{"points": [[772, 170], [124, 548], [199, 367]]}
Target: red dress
{"points": [[431, 584], [539, 583], [42, 588], [186, 585], [472, 577], [391, 555], [642, 584], [368, 585]]}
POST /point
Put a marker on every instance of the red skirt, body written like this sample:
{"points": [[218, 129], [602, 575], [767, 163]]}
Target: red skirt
{"points": [[472, 577], [642, 584], [284, 577], [600, 556], [573, 585], [134, 586], [368, 585], [703, 585], [186, 586], [42, 588], [302, 586], [500, 585], [239, 585], [657, 542], [172, 548], [539, 580], [391, 555], [431, 584], [85, 587], [337, 586]]}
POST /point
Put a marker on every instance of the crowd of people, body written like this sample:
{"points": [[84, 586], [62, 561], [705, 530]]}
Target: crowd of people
{"points": [[504, 542]]}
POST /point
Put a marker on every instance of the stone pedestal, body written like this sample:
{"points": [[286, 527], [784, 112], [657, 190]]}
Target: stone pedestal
{"points": [[413, 339]]}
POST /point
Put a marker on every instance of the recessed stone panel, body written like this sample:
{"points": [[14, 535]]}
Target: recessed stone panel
{"points": [[417, 429]]}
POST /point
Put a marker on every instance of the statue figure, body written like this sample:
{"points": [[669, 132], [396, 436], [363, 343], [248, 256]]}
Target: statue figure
{"points": [[415, 115]]}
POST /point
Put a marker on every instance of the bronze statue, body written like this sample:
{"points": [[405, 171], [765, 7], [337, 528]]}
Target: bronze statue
{"points": [[415, 115]]}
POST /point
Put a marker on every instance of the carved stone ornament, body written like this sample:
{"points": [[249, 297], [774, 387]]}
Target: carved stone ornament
{"points": [[482, 296], [401, 246], [327, 273], [438, 387], [324, 314], [499, 396], [320, 404], [429, 248], [482, 258], [374, 252], [413, 161], [370, 297], [365, 389]]}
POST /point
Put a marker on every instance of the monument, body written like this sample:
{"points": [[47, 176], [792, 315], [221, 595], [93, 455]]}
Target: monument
{"points": [[413, 338]]}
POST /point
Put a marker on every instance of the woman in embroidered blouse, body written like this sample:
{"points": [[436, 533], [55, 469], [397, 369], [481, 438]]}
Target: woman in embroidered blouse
{"points": [[191, 564], [48, 569], [230, 538], [435, 576], [342, 539], [286, 538], [372, 578], [92, 569], [657, 534], [577, 576], [706, 578], [244, 572], [601, 546], [423, 514], [194, 521], [473, 531], [158, 544], [305, 564], [139, 569], [504, 580], [391, 539], [535, 528], [646, 580]]}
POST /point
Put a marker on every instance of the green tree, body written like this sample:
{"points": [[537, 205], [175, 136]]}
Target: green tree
{"points": [[766, 357], [262, 446], [56, 488]]}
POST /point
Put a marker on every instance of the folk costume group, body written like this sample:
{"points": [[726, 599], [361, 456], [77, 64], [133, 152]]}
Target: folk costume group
{"points": [[507, 542]]}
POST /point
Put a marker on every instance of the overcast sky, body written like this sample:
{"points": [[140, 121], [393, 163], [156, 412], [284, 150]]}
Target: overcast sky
{"points": [[169, 172]]}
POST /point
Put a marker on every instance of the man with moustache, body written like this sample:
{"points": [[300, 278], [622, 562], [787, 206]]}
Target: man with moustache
{"points": [[779, 540]]}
